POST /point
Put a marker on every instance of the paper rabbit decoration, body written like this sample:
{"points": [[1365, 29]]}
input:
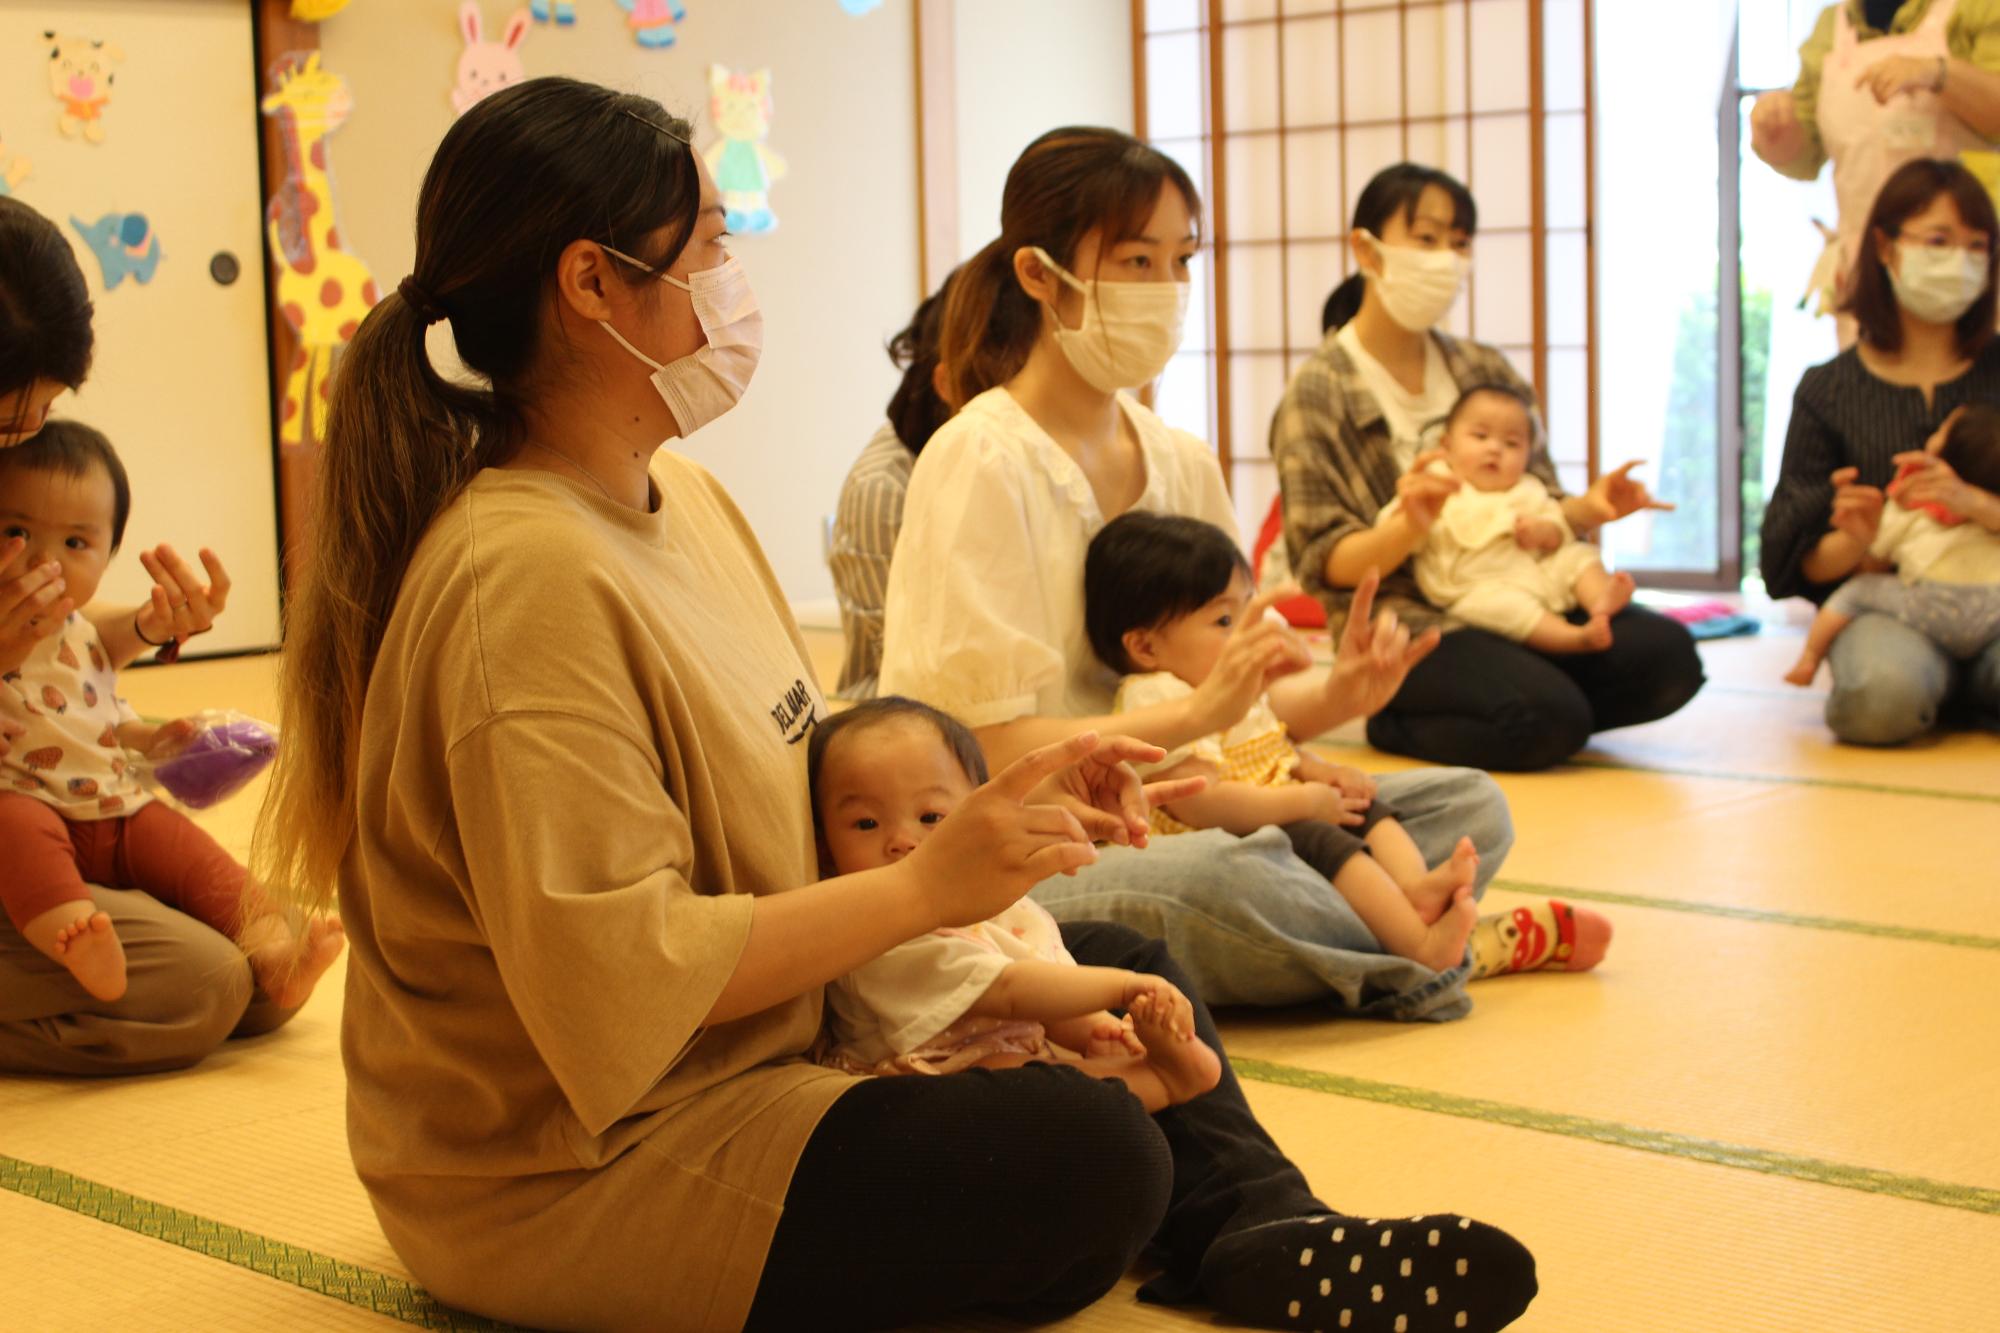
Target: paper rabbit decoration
{"points": [[486, 67]]}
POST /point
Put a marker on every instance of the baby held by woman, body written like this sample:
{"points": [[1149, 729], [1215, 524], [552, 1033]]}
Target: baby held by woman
{"points": [[1500, 555], [995, 995]]}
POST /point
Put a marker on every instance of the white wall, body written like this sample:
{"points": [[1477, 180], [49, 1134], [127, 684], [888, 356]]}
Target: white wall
{"points": [[835, 279], [1026, 66]]}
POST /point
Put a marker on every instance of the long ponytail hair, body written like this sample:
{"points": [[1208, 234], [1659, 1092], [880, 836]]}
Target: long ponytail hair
{"points": [[1394, 193], [45, 310], [1064, 184], [516, 179]]}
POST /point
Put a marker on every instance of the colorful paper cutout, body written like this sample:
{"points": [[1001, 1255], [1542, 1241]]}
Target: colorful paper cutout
{"points": [[652, 21], [739, 105], [484, 67], [313, 11], [80, 77], [124, 244], [562, 12], [321, 290], [13, 170], [860, 6]]}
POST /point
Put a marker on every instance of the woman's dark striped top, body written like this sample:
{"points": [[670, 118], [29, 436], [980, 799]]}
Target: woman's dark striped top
{"points": [[1844, 416]]}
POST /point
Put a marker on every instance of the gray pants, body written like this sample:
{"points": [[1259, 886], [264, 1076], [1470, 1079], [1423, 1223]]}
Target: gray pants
{"points": [[188, 990], [1961, 618], [1251, 923]]}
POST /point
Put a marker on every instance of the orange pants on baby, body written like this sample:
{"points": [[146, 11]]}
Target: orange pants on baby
{"points": [[49, 861]]}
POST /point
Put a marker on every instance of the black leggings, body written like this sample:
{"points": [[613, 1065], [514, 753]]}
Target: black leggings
{"points": [[1481, 701], [1029, 1191]]}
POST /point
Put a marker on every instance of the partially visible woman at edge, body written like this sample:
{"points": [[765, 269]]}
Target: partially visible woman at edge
{"points": [[188, 988], [1350, 435], [544, 703], [1923, 300], [870, 513]]}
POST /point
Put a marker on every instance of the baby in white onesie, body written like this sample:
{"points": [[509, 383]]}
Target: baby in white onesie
{"points": [[1501, 556], [995, 995]]}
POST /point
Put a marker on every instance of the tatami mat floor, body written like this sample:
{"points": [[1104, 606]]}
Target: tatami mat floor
{"points": [[1771, 1109]]}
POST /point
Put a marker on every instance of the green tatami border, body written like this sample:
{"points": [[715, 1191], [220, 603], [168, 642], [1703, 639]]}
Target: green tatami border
{"points": [[350, 1284], [1765, 916], [1792, 1166]]}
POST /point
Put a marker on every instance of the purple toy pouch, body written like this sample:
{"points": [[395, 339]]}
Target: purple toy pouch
{"points": [[226, 750]]}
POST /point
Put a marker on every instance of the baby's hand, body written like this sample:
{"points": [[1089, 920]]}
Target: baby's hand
{"points": [[1159, 1003], [1352, 782], [157, 740], [1537, 535], [1335, 806], [1113, 1037]]}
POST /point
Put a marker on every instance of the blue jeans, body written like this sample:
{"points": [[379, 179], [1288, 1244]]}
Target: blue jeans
{"points": [[1250, 923], [1890, 682]]}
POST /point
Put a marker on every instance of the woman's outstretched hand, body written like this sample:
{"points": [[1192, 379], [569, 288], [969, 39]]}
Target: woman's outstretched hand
{"points": [[1259, 650], [1375, 655], [1106, 795], [1775, 132], [1933, 481], [1617, 494], [1857, 509], [1003, 840], [1423, 492]]}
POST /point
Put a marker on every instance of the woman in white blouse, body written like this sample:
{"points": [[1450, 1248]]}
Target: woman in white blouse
{"points": [[1079, 298]]}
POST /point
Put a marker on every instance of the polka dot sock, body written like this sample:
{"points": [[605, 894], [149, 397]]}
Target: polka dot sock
{"points": [[1436, 1274], [1548, 936]]}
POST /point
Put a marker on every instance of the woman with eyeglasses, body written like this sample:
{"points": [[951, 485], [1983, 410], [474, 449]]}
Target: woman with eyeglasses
{"points": [[1923, 300]]}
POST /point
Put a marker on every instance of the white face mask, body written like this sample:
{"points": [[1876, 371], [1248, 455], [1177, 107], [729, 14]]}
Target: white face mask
{"points": [[707, 382], [1418, 286], [1937, 284], [1130, 329]]}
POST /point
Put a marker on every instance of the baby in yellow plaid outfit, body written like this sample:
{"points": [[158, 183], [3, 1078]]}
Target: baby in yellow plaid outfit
{"points": [[1161, 597]]}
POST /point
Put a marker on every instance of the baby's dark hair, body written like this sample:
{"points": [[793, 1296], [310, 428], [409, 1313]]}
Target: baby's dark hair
{"points": [[1144, 570], [73, 449], [1467, 398], [890, 707], [1973, 447]]}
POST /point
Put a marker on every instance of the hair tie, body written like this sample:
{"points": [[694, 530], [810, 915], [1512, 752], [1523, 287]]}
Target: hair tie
{"points": [[419, 300]]}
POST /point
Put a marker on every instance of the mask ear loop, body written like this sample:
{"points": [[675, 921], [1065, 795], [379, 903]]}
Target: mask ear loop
{"points": [[1088, 293]]}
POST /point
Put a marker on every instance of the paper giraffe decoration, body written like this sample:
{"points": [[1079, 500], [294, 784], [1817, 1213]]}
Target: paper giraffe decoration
{"points": [[322, 291], [486, 67], [13, 170], [652, 21], [124, 244], [80, 77], [739, 105]]}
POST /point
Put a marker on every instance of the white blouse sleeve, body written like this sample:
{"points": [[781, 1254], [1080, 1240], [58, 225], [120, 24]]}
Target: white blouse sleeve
{"points": [[967, 623]]}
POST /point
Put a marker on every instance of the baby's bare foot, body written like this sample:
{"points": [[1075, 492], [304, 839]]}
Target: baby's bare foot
{"points": [[1615, 596], [1803, 670], [81, 938], [287, 967], [1444, 944], [1186, 1064], [1597, 632], [1432, 894]]}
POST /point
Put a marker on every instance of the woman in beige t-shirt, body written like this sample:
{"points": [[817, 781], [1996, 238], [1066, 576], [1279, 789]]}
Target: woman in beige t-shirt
{"points": [[545, 711]]}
